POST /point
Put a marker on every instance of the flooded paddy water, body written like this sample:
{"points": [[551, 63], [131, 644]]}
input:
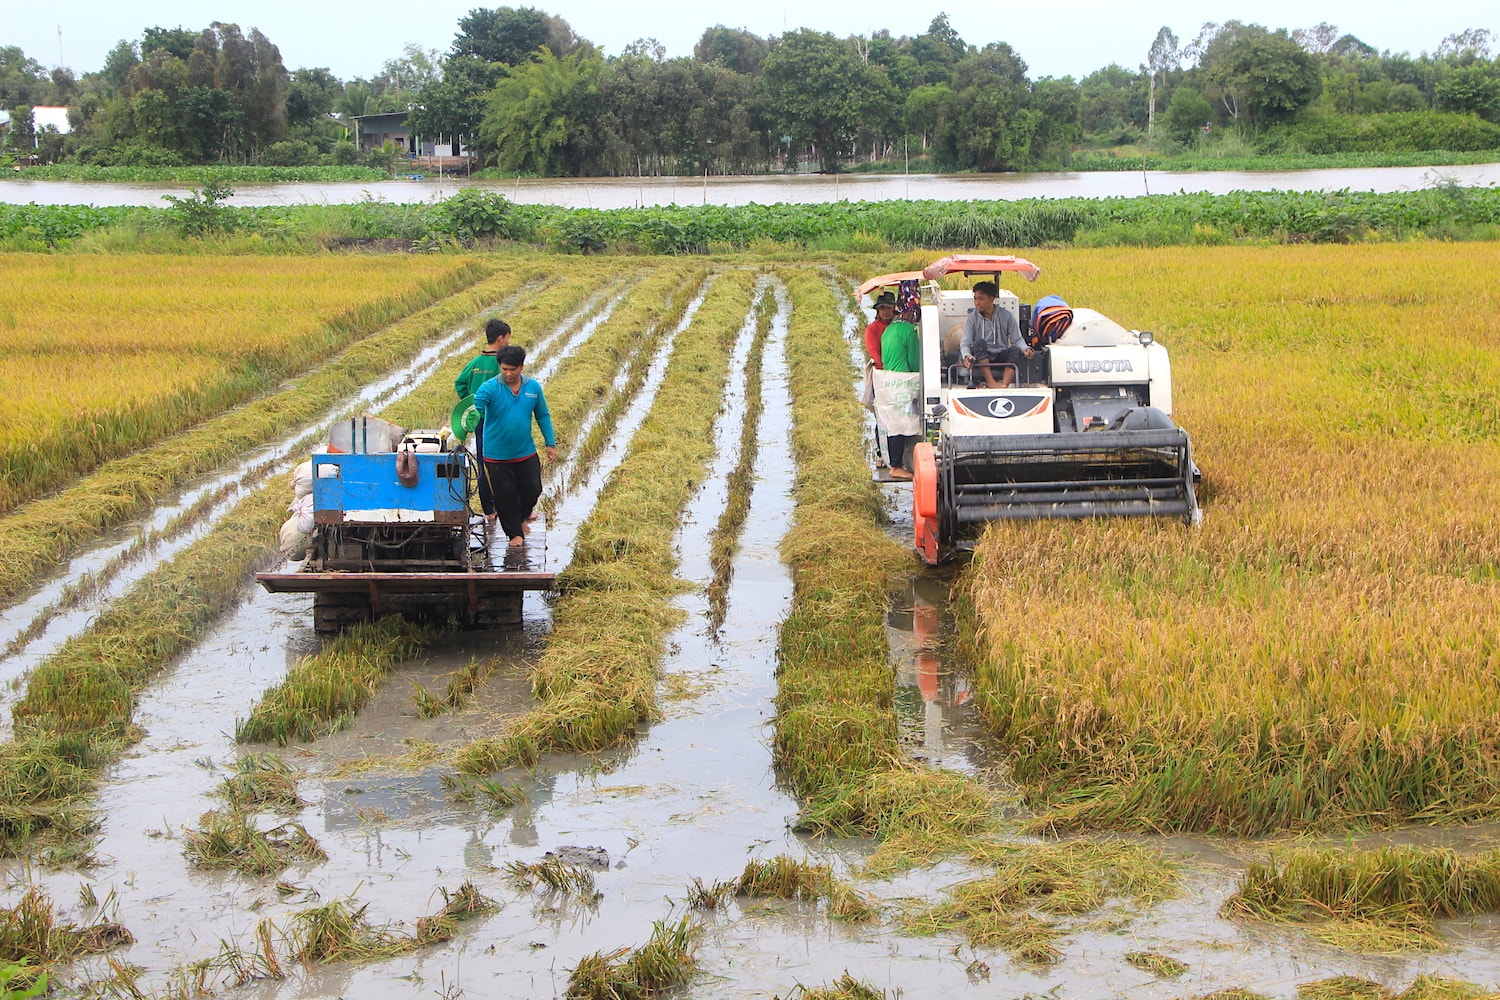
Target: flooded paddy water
{"points": [[691, 799]]}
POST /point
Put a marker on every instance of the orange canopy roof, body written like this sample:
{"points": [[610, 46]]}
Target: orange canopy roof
{"points": [[966, 263]]}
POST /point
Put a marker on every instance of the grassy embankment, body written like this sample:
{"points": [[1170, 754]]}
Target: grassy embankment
{"points": [[197, 175], [38, 534], [1127, 159], [596, 681], [1321, 653], [1444, 211]]}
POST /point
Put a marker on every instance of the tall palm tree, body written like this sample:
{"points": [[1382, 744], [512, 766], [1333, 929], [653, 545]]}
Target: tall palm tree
{"points": [[353, 103]]}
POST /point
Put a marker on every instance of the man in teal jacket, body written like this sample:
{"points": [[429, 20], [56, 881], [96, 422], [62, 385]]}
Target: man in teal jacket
{"points": [[480, 369], [509, 403]]}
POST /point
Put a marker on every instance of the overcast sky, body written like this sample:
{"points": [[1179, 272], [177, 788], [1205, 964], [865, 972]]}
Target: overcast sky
{"points": [[1054, 37]]}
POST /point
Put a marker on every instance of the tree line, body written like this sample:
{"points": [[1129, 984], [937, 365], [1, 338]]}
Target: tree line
{"points": [[531, 96]]}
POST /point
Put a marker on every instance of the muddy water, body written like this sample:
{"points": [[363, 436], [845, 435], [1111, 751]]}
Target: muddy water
{"points": [[572, 490], [630, 192]]}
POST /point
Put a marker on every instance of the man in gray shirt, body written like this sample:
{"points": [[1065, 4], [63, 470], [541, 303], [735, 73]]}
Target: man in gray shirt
{"points": [[992, 338]]}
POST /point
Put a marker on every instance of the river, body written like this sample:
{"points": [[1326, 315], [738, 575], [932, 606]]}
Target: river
{"points": [[632, 192]]}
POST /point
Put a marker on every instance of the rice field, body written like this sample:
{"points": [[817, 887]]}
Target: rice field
{"points": [[1321, 651], [106, 354], [729, 806]]}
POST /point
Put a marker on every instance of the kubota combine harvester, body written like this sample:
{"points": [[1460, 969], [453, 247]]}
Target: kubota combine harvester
{"points": [[1084, 430]]}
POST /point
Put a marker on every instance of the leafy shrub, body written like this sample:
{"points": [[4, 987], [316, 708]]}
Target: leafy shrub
{"points": [[202, 210], [481, 215], [293, 153], [136, 153], [1409, 131], [584, 231], [377, 219]]}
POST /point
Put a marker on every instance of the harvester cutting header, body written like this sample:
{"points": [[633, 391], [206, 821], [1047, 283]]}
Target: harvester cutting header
{"points": [[1075, 423]]}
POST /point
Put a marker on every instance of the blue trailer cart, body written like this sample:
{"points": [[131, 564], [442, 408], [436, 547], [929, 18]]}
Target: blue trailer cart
{"points": [[381, 546]]}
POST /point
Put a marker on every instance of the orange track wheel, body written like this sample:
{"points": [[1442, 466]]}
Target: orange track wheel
{"points": [[924, 502]]}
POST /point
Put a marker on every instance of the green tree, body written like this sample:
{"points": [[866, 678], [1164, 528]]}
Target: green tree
{"points": [[177, 42], [734, 48], [1055, 103], [1112, 102], [1187, 112], [1259, 75], [21, 135], [937, 51], [927, 110], [118, 63], [512, 35], [407, 74], [540, 115], [311, 96], [454, 105], [1163, 56], [1471, 90], [992, 125], [817, 90], [22, 78], [1472, 42]]}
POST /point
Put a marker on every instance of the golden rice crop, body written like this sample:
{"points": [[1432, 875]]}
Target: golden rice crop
{"points": [[106, 354], [1324, 647], [38, 535]]}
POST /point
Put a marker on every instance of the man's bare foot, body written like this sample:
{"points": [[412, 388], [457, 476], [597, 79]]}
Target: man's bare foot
{"points": [[532, 516], [899, 473], [516, 543]]}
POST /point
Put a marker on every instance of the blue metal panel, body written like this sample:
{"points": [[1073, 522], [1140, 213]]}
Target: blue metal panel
{"points": [[368, 482]]}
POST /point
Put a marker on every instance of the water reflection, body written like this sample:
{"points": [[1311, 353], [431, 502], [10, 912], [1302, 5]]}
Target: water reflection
{"points": [[934, 697]]}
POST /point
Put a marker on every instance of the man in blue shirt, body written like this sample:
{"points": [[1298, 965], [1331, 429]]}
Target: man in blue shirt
{"points": [[509, 403]]}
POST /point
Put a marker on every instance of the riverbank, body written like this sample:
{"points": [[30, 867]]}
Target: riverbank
{"points": [[1083, 161], [477, 218]]}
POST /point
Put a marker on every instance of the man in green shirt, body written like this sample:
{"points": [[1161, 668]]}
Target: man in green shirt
{"points": [[476, 373]]}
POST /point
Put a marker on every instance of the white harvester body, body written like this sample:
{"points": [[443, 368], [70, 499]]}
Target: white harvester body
{"points": [[1085, 429]]}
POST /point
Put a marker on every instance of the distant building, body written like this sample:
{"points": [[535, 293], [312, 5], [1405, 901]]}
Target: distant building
{"points": [[42, 115], [375, 131], [45, 115]]}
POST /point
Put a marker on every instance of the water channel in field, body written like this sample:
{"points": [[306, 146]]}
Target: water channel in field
{"points": [[632, 192]]}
